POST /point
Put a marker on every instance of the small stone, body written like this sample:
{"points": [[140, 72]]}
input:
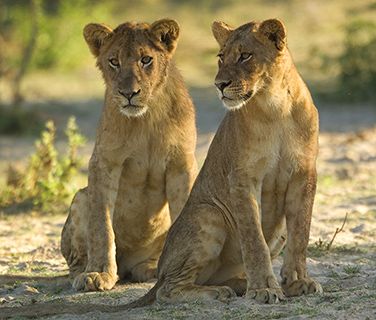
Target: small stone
{"points": [[31, 290], [22, 266], [358, 229], [25, 289], [6, 299]]}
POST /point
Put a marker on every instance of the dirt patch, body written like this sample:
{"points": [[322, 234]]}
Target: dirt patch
{"points": [[349, 282]]}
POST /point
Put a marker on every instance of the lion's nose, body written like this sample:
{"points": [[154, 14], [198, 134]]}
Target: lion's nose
{"points": [[129, 94], [221, 85]]}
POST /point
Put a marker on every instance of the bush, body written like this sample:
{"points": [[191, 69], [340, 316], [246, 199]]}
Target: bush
{"points": [[46, 182], [357, 63]]}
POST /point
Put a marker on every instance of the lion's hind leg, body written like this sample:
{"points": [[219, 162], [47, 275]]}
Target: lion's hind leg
{"points": [[191, 258], [186, 288], [145, 271], [231, 271], [193, 292], [73, 237]]}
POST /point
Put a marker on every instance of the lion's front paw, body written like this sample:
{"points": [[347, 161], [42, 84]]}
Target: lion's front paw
{"points": [[94, 281], [301, 286], [268, 291], [266, 295]]}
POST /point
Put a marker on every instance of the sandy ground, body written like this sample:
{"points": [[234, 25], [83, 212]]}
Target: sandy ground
{"points": [[32, 270]]}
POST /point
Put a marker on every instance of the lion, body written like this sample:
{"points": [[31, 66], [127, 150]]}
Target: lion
{"points": [[256, 188], [143, 164]]}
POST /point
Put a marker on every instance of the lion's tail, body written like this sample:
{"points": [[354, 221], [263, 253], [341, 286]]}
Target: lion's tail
{"points": [[52, 308], [147, 299]]}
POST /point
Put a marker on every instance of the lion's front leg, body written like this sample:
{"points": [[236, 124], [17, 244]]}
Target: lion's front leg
{"points": [[180, 175], [262, 284], [299, 203], [101, 270]]}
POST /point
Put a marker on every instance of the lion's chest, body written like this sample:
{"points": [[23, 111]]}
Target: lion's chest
{"points": [[275, 145], [145, 170], [141, 191]]}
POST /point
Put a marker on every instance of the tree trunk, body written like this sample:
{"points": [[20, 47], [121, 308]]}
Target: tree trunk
{"points": [[27, 52]]}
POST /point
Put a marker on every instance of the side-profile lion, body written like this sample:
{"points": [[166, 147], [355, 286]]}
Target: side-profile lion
{"points": [[143, 165], [257, 185]]}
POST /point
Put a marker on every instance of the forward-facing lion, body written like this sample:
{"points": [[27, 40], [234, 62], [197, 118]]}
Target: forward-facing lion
{"points": [[142, 167], [257, 185]]}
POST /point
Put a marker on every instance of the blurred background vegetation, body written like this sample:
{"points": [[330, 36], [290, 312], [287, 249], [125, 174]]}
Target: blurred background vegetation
{"points": [[46, 70], [333, 42]]}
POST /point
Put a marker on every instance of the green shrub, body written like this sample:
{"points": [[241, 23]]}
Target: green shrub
{"points": [[46, 183], [357, 63]]}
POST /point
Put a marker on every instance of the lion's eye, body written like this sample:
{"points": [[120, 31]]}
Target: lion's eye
{"points": [[146, 61], [114, 63], [220, 57], [245, 56]]}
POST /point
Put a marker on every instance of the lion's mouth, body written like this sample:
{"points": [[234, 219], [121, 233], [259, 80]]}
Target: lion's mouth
{"points": [[224, 98], [131, 106], [133, 110], [247, 96], [241, 100]]}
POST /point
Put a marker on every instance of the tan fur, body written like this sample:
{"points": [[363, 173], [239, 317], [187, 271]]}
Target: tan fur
{"points": [[143, 164], [259, 177]]}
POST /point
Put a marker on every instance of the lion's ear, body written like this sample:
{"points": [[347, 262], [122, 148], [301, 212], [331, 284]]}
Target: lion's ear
{"points": [[221, 32], [273, 30], [166, 32], [95, 35]]}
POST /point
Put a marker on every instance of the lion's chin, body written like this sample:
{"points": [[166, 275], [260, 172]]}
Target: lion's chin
{"points": [[235, 104], [133, 111]]}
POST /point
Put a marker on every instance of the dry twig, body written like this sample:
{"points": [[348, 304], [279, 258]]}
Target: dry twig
{"points": [[325, 245], [338, 230]]}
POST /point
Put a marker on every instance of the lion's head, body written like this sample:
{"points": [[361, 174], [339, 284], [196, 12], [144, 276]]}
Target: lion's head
{"points": [[134, 59], [249, 56]]}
